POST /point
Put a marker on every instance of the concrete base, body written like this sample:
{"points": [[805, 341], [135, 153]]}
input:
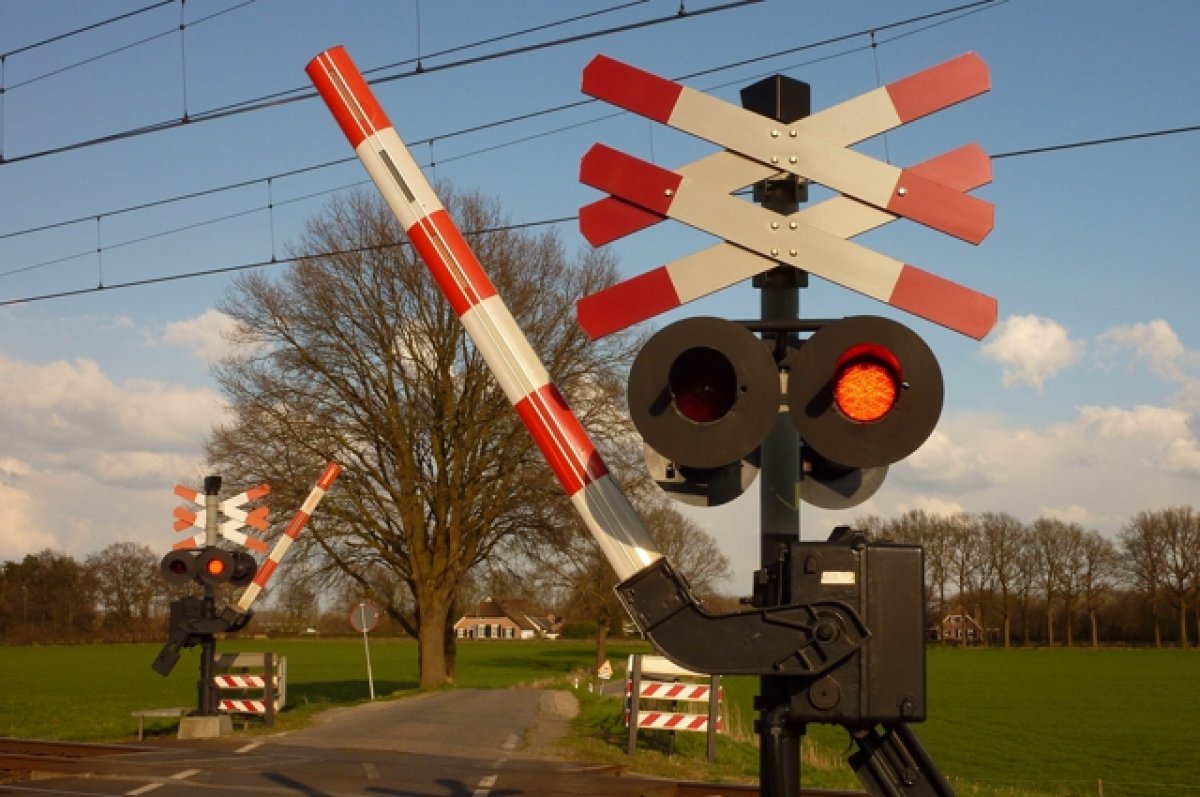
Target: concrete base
{"points": [[205, 727]]}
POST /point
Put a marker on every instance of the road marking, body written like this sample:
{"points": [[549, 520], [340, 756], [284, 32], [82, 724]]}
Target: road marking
{"points": [[485, 786], [511, 742], [149, 787], [371, 770], [247, 748]]}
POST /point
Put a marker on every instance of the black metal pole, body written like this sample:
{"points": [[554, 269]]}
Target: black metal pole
{"points": [[208, 644], [785, 100]]}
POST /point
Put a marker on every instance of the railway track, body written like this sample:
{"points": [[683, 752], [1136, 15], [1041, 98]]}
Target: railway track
{"points": [[18, 757], [739, 790]]}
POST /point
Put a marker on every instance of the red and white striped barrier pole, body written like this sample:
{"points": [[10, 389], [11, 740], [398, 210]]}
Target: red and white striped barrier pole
{"points": [[600, 502], [299, 520]]}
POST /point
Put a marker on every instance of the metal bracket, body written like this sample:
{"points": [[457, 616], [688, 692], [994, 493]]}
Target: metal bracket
{"points": [[800, 639]]}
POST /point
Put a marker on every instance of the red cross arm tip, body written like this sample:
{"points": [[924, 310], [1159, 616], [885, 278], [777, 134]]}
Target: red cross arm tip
{"points": [[628, 87], [944, 302], [626, 303], [609, 219], [645, 184], [938, 206], [939, 87], [962, 169]]}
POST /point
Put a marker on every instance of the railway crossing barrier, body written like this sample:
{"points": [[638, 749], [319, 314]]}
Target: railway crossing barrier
{"points": [[654, 689], [258, 694]]}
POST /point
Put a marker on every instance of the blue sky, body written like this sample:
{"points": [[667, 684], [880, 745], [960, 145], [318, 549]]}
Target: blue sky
{"points": [[1084, 403]]}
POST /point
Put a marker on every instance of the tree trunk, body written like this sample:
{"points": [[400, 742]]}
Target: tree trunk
{"points": [[1007, 632], [1095, 628], [431, 640], [450, 645], [1183, 630], [602, 622], [1049, 626]]}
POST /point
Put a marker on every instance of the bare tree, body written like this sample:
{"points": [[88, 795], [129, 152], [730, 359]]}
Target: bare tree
{"points": [[1180, 527], [1001, 539], [1051, 546], [127, 585], [1026, 579], [1144, 548], [353, 355], [965, 552], [1100, 568]]}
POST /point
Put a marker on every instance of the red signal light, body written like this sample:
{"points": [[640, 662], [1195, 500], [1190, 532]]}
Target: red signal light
{"points": [[703, 385], [215, 568], [703, 392], [867, 384], [864, 392]]}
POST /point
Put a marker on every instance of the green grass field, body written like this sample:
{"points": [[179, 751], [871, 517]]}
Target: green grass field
{"points": [[1001, 722]]}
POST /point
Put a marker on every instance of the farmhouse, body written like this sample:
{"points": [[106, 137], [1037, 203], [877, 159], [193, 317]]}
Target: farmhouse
{"points": [[960, 628], [508, 620]]}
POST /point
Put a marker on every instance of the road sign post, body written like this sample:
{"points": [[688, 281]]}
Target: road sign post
{"points": [[364, 618]]}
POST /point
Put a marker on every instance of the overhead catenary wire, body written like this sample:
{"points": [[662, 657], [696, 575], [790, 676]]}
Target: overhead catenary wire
{"points": [[298, 94], [270, 203], [488, 126]]}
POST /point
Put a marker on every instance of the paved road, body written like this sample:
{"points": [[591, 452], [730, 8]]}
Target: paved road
{"points": [[459, 743]]}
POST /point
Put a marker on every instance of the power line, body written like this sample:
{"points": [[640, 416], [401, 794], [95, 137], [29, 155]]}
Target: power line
{"points": [[141, 283], [523, 225], [85, 29], [962, 10], [1093, 142], [978, 4], [298, 94]]}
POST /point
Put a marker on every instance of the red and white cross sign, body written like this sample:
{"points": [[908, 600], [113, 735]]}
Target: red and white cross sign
{"points": [[235, 518], [757, 148]]}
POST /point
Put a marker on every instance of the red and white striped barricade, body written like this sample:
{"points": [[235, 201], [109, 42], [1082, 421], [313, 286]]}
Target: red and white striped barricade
{"points": [[655, 688], [258, 694]]}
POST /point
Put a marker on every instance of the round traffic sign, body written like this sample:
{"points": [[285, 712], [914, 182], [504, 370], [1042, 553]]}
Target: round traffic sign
{"points": [[365, 617]]}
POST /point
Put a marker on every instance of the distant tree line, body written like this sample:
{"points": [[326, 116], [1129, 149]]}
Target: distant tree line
{"points": [[1048, 582], [1051, 582]]}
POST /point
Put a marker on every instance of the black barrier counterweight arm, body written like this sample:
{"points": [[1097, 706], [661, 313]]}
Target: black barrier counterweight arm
{"points": [[894, 763]]}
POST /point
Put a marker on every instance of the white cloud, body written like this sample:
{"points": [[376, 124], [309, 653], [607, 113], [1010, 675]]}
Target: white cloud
{"points": [[1155, 343], [88, 461], [12, 469], [1069, 513], [19, 524], [47, 410], [931, 504], [1031, 350], [207, 336]]}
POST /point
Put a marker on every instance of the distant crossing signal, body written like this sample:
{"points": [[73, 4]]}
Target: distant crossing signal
{"points": [[210, 566]]}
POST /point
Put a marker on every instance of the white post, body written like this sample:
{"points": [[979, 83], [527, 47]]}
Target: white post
{"points": [[362, 607]]}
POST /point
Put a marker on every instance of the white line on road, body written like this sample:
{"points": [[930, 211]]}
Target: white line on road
{"points": [[485, 786], [183, 774], [371, 770], [248, 747]]}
